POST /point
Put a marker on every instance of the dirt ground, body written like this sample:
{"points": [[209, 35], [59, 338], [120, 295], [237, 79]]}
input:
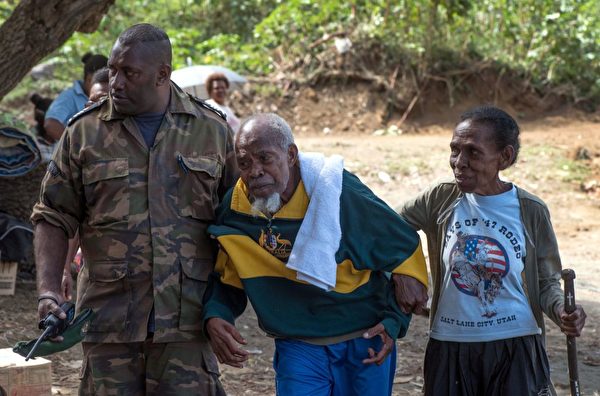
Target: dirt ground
{"points": [[396, 167]]}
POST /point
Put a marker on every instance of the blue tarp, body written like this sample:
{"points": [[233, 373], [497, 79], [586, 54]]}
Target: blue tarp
{"points": [[19, 151]]}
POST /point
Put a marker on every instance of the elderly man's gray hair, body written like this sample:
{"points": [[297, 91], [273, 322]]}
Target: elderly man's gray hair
{"points": [[277, 126]]}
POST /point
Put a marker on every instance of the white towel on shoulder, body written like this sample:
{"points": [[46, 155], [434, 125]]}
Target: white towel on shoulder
{"points": [[319, 236]]}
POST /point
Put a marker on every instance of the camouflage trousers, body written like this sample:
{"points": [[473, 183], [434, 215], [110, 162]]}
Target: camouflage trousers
{"points": [[146, 368]]}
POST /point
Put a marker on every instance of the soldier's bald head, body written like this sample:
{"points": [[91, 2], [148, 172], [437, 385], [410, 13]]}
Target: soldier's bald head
{"points": [[153, 40]]}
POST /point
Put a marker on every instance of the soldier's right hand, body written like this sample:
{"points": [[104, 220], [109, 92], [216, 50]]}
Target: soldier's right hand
{"points": [[224, 339]]}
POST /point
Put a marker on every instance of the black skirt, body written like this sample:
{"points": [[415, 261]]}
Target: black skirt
{"points": [[511, 367]]}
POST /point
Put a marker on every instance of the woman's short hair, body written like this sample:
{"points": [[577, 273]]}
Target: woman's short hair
{"points": [[505, 128], [215, 77]]}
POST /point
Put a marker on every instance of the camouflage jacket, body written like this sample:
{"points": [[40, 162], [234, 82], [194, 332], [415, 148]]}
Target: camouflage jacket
{"points": [[142, 215]]}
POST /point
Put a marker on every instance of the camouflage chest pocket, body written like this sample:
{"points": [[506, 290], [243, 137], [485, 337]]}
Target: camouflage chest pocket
{"points": [[198, 186], [194, 275], [106, 186]]}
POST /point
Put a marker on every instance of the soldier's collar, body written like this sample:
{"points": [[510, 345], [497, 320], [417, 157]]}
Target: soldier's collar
{"points": [[179, 103]]}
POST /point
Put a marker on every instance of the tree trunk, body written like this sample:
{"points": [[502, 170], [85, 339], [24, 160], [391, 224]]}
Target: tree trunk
{"points": [[38, 27]]}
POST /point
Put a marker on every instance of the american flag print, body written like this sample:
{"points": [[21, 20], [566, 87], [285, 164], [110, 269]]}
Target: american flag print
{"points": [[495, 256], [476, 259]]}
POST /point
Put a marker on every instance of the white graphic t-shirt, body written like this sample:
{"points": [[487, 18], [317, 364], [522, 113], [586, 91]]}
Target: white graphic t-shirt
{"points": [[482, 296]]}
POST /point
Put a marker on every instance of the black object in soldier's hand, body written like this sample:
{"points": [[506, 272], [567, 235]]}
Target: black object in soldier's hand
{"points": [[73, 334], [53, 326]]}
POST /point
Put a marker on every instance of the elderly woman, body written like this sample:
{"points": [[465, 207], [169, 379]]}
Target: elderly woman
{"points": [[217, 86], [495, 267]]}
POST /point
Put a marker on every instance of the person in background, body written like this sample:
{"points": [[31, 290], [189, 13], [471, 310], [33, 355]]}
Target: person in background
{"points": [[72, 100], [41, 105], [217, 86], [139, 177], [312, 248], [99, 87], [495, 267]]}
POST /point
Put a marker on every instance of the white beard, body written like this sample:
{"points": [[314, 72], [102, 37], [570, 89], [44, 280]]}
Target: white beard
{"points": [[266, 206]]}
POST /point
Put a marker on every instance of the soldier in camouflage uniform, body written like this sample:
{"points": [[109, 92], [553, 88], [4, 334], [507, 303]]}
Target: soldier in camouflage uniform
{"points": [[142, 202]]}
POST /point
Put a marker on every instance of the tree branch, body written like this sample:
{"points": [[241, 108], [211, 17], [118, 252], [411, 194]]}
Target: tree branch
{"points": [[38, 27]]}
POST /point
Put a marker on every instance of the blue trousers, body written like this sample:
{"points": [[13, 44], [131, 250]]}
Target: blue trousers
{"points": [[332, 370]]}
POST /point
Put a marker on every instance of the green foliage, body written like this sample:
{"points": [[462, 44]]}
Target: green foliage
{"points": [[553, 42], [6, 8], [550, 42], [228, 49], [201, 31], [195, 27], [297, 23]]}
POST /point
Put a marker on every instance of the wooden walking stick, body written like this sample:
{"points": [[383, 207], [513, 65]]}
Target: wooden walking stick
{"points": [[568, 275]]}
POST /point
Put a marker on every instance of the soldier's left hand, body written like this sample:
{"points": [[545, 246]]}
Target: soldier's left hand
{"points": [[572, 324], [388, 345], [67, 284]]}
